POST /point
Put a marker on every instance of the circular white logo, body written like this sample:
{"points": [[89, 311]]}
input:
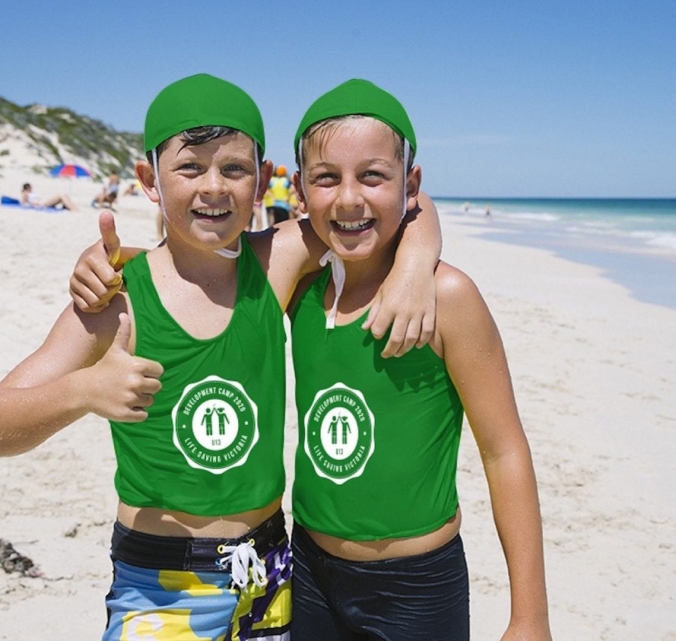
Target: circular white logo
{"points": [[339, 433], [215, 424]]}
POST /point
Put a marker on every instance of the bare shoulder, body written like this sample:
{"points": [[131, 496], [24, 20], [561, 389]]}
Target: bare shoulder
{"points": [[302, 287], [454, 286], [288, 241], [287, 252], [462, 312]]}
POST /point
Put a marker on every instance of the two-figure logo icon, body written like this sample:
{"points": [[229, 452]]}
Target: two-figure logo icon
{"points": [[215, 424], [339, 433]]}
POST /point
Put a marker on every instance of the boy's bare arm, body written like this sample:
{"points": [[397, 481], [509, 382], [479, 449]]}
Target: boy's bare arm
{"points": [[476, 362], [288, 252], [407, 298], [83, 366]]}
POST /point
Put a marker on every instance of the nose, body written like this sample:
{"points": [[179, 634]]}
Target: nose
{"points": [[214, 183], [349, 195]]}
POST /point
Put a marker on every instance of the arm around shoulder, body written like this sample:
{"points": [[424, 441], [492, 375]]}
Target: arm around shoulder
{"points": [[287, 252], [407, 298]]}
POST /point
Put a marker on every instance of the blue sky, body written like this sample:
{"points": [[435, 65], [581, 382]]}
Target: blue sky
{"points": [[508, 98]]}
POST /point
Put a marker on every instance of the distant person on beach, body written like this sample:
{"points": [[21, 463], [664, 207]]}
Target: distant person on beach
{"points": [[31, 199], [294, 212], [279, 191], [488, 211], [376, 541], [133, 188], [199, 547], [108, 195]]}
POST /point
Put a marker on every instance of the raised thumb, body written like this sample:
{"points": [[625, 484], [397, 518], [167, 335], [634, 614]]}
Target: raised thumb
{"points": [[123, 335], [111, 240]]}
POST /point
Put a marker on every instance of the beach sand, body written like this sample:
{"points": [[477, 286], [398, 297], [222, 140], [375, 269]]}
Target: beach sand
{"points": [[593, 371]]}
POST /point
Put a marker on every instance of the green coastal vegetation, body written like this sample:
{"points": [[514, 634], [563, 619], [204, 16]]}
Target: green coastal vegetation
{"points": [[57, 135]]}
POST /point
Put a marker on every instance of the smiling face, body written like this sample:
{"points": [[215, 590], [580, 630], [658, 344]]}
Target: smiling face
{"points": [[208, 190], [353, 186]]}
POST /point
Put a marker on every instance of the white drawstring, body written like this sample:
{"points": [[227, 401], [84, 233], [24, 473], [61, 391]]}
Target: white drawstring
{"points": [[258, 170], [241, 557], [230, 253], [338, 275]]}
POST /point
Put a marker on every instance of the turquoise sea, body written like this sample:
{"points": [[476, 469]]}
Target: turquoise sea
{"points": [[633, 241]]}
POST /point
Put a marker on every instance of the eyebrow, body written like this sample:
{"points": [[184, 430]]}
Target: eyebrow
{"points": [[365, 162]]}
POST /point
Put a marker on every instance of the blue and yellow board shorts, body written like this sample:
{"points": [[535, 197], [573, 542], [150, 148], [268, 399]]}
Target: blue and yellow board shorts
{"points": [[192, 589]]}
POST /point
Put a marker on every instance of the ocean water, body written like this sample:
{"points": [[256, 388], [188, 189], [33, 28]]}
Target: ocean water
{"points": [[633, 241]]}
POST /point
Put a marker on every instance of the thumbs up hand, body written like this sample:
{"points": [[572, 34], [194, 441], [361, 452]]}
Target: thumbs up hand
{"points": [[123, 385], [96, 277], [111, 241]]}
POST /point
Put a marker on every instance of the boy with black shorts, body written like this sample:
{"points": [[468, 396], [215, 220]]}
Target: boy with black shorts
{"points": [[376, 540]]}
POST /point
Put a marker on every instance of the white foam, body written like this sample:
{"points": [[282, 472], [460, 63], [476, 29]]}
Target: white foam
{"points": [[663, 239], [544, 217]]}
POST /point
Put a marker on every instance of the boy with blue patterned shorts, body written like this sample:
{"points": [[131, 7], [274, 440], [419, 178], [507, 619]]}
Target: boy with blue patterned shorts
{"points": [[188, 365]]}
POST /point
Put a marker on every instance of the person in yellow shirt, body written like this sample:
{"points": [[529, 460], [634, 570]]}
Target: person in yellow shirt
{"points": [[278, 194]]}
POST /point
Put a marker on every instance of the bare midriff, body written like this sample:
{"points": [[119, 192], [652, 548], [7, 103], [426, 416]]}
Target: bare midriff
{"points": [[387, 548], [161, 522]]}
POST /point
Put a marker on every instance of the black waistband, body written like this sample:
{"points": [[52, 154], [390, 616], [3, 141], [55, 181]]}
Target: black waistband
{"points": [[187, 553]]}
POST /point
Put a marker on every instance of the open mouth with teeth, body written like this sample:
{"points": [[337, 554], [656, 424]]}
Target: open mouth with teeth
{"points": [[354, 226], [210, 213]]}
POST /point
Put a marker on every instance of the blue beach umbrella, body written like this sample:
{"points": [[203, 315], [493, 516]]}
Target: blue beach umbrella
{"points": [[72, 171]]}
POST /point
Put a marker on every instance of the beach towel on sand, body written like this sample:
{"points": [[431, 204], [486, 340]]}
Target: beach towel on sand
{"points": [[8, 201]]}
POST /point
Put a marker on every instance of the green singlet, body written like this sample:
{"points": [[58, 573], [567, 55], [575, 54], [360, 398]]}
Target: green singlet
{"points": [[213, 440], [378, 438]]}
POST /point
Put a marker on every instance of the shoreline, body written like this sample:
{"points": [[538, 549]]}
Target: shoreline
{"points": [[593, 373], [648, 277], [644, 268]]}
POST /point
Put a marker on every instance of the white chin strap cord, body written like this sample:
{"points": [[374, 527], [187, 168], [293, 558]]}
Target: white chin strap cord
{"points": [[337, 264], [226, 253], [338, 275]]}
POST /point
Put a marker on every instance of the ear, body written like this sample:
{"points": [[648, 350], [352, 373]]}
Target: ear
{"points": [[300, 194], [265, 175], [413, 181], [146, 176]]}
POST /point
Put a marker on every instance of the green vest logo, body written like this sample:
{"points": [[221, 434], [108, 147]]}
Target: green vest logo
{"points": [[215, 424], [339, 433]]}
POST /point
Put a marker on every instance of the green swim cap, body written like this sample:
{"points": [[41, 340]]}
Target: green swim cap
{"points": [[201, 101], [358, 97]]}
